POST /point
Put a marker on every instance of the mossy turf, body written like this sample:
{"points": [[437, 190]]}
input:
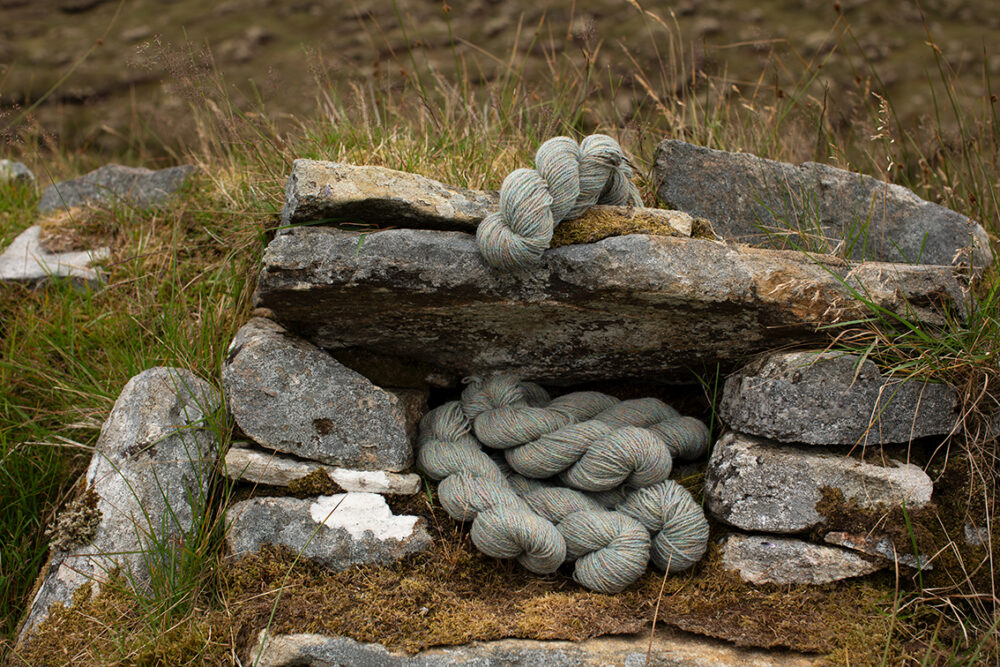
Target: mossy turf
{"points": [[454, 595]]}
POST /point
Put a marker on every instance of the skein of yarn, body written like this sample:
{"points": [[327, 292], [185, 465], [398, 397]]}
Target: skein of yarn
{"points": [[473, 488], [567, 180], [591, 441]]}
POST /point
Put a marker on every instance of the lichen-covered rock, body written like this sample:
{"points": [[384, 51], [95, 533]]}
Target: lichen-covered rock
{"points": [[338, 531], [259, 467], [337, 193], [26, 261], [11, 170], [762, 202], [625, 307], [667, 648], [756, 484], [114, 183], [832, 398], [765, 559], [147, 482], [288, 395]]}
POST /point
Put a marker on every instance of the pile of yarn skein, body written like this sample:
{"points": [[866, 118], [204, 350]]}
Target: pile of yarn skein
{"points": [[581, 478]]}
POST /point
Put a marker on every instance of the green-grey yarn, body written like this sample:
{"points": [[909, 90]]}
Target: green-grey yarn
{"points": [[592, 441], [677, 522], [567, 180], [611, 550], [473, 488]]}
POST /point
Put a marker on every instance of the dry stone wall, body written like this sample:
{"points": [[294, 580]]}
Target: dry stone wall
{"points": [[360, 334]]}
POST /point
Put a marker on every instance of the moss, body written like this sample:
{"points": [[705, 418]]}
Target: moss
{"points": [[316, 483], [77, 523], [454, 595], [601, 223], [110, 628]]}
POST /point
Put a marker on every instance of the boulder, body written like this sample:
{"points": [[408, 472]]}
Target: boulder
{"points": [[765, 559], [637, 306], [26, 261], [11, 170], [337, 531], [757, 484], [290, 396], [335, 193], [813, 207], [259, 467], [667, 648], [833, 398], [146, 486], [113, 183]]}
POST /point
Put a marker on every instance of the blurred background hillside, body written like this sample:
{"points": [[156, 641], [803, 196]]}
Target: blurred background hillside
{"points": [[120, 77]]}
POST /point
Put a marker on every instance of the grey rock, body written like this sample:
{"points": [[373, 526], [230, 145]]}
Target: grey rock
{"points": [[756, 484], [343, 193], [632, 306], [413, 403], [292, 397], [831, 398], [11, 170], [337, 531], [260, 467], [150, 471], [880, 546], [976, 536], [857, 215], [26, 261], [765, 559], [114, 183], [669, 648]]}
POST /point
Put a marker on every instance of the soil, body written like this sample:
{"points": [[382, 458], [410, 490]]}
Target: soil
{"points": [[133, 69]]}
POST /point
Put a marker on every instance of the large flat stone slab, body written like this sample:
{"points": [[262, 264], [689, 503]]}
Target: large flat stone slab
{"points": [[832, 398], [338, 531], [26, 261], [756, 484], [766, 559], [631, 306], [668, 648], [292, 397], [337, 193], [115, 183], [861, 217], [148, 476]]}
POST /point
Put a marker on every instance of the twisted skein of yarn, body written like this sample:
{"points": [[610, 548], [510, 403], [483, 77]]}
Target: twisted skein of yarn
{"points": [[590, 440], [473, 488], [567, 180]]}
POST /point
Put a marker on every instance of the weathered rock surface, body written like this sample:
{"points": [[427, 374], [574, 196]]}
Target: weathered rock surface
{"points": [[11, 170], [831, 398], [756, 484], [863, 218], [153, 460], [290, 396], [669, 648], [631, 306], [26, 261], [879, 546], [764, 559], [338, 531], [343, 193], [260, 467], [135, 185]]}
